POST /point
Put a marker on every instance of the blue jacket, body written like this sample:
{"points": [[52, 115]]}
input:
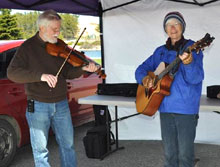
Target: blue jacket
{"points": [[186, 87]]}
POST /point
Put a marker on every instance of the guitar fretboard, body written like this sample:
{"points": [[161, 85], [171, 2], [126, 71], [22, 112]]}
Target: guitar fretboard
{"points": [[169, 68]]}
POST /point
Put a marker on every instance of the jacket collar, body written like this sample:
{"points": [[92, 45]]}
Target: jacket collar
{"points": [[39, 40], [177, 45]]}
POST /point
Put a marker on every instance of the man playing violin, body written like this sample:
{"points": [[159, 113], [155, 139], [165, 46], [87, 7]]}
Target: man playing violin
{"points": [[46, 92], [179, 110]]}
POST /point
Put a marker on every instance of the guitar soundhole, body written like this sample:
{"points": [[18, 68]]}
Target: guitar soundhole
{"points": [[148, 92]]}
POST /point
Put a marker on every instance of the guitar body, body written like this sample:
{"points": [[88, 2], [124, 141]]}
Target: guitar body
{"points": [[148, 101]]}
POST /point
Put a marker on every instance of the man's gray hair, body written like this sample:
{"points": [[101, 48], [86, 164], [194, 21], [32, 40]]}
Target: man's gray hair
{"points": [[46, 17]]}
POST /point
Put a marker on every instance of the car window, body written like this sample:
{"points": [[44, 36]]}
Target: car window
{"points": [[5, 58]]}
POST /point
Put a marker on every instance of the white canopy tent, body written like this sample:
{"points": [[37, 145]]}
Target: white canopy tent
{"points": [[131, 33]]}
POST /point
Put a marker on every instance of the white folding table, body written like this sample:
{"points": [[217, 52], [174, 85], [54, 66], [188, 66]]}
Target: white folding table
{"points": [[206, 104]]}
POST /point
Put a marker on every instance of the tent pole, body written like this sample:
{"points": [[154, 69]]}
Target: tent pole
{"points": [[195, 2], [124, 4], [101, 38]]}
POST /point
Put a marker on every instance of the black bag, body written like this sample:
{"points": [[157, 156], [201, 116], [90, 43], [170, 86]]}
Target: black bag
{"points": [[212, 91], [118, 89], [95, 142], [100, 112]]}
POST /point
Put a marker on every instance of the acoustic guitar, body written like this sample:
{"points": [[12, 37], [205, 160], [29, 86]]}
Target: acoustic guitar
{"points": [[148, 100]]}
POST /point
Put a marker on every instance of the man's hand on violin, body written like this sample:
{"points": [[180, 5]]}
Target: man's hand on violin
{"points": [[50, 79], [91, 67], [218, 95]]}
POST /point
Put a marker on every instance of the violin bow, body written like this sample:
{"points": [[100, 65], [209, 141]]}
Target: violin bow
{"points": [[70, 53]]}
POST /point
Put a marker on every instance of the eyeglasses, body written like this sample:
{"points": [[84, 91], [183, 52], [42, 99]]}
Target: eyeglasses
{"points": [[169, 25]]}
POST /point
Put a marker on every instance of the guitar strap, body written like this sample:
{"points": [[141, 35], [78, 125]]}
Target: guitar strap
{"points": [[179, 52]]}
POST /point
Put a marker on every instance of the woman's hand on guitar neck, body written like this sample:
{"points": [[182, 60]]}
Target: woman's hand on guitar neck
{"points": [[186, 58], [148, 82]]}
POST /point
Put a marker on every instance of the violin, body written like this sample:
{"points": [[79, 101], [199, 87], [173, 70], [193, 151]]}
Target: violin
{"points": [[72, 56]]}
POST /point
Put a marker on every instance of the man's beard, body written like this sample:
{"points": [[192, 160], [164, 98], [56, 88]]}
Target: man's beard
{"points": [[49, 39]]}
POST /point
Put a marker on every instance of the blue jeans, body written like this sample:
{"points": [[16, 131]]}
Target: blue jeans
{"points": [[178, 135], [57, 116]]}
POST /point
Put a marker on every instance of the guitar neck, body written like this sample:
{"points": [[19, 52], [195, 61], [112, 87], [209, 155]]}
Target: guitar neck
{"points": [[169, 68], [173, 64]]}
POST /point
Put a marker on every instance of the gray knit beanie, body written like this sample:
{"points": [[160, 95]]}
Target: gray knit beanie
{"points": [[177, 16]]}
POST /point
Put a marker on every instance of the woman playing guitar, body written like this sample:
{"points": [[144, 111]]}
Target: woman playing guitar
{"points": [[180, 86]]}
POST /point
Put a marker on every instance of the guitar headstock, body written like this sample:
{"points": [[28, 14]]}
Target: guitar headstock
{"points": [[202, 43]]}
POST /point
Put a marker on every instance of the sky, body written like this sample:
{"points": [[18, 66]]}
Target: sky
{"points": [[88, 19]]}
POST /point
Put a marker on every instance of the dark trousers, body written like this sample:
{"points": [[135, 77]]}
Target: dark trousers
{"points": [[178, 135]]}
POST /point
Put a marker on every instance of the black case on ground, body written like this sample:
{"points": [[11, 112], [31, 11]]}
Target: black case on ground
{"points": [[212, 91], [95, 142], [118, 89]]}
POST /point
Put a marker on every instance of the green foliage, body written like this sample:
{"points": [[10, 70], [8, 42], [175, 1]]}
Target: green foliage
{"points": [[23, 25], [69, 28], [8, 26], [99, 61], [27, 23], [96, 43], [88, 45], [97, 28], [85, 45]]}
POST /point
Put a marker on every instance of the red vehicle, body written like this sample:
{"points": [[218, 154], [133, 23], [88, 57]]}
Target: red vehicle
{"points": [[14, 131]]}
